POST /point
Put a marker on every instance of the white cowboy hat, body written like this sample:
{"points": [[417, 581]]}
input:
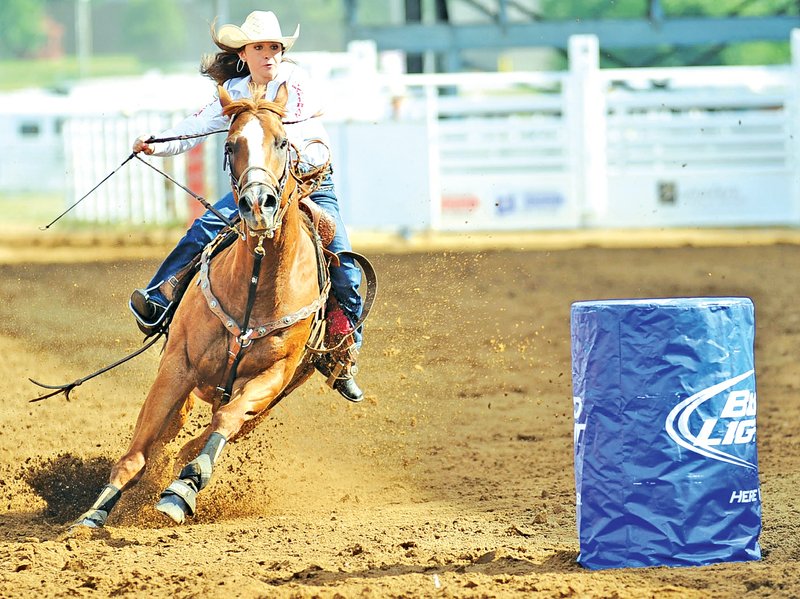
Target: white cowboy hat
{"points": [[259, 26]]}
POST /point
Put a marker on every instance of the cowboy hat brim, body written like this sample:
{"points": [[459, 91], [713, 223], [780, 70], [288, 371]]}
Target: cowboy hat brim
{"points": [[234, 37]]}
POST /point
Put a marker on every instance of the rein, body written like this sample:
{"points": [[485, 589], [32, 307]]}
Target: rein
{"points": [[68, 387], [133, 155], [156, 140], [88, 193], [153, 140], [197, 197]]}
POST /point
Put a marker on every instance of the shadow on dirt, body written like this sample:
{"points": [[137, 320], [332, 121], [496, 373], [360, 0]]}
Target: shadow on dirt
{"points": [[68, 484], [493, 563], [27, 527]]}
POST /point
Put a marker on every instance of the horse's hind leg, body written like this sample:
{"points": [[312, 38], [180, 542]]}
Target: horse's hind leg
{"points": [[162, 414]]}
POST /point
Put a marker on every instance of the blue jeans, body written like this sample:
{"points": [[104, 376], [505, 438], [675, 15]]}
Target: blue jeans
{"points": [[345, 279]]}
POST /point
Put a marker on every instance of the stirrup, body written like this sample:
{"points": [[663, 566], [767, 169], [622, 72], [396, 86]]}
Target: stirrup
{"points": [[339, 368], [155, 324]]}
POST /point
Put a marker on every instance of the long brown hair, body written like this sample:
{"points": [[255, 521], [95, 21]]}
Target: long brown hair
{"points": [[223, 65]]}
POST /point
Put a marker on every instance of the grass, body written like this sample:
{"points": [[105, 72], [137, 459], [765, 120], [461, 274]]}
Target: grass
{"points": [[22, 210], [28, 212], [55, 73]]}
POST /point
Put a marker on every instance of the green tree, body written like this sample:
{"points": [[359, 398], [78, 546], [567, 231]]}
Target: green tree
{"points": [[156, 30], [750, 8], [759, 52], [21, 27]]}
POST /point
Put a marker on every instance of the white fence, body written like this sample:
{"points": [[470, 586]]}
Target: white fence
{"points": [[711, 146], [717, 155], [588, 147], [135, 194]]}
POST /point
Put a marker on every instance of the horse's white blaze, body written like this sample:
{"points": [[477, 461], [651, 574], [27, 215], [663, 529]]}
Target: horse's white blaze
{"points": [[254, 135]]}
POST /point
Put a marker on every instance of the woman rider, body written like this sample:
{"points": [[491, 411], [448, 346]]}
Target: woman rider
{"points": [[253, 53]]}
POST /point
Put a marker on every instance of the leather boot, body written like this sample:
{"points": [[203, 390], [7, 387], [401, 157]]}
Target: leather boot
{"points": [[148, 313], [154, 315], [339, 367], [349, 389]]}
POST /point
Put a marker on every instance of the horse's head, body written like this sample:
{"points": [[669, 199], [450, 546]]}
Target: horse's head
{"points": [[257, 152]]}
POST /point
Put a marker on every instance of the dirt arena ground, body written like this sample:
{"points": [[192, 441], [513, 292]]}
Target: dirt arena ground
{"points": [[452, 479]]}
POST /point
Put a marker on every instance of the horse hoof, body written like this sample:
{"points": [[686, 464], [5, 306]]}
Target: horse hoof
{"points": [[174, 507], [90, 519], [87, 523]]}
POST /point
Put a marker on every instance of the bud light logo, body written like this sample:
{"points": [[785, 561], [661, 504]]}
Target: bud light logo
{"points": [[717, 422]]}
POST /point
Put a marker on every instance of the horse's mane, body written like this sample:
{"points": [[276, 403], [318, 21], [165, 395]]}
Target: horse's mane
{"points": [[255, 104]]}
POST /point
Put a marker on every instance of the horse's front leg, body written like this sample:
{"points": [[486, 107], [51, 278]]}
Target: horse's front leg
{"points": [[250, 398], [162, 415]]}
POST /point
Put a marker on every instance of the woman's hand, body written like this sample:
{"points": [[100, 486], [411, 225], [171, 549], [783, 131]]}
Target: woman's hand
{"points": [[141, 145]]}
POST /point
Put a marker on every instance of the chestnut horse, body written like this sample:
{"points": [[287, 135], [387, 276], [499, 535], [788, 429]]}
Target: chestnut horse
{"points": [[269, 277]]}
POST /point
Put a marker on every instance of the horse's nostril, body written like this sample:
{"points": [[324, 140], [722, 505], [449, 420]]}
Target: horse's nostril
{"points": [[266, 200], [270, 201]]}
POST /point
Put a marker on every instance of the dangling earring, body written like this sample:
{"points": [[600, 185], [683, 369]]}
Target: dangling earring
{"points": [[239, 65]]}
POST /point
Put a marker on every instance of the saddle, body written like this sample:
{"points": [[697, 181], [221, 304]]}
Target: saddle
{"points": [[322, 222]]}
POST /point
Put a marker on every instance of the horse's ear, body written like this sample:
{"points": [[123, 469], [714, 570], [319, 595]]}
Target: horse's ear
{"points": [[224, 96], [282, 95]]}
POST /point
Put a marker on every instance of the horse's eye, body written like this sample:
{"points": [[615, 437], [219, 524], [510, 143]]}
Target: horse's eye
{"points": [[228, 147], [283, 143]]}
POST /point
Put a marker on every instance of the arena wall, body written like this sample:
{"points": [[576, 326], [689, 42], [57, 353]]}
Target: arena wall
{"points": [[583, 148]]}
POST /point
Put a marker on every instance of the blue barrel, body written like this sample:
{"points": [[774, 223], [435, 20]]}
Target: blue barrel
{"points": [[666, 468]]}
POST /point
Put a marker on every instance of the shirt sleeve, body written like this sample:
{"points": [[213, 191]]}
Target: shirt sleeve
{"points": [[204, 121], [305, 98]]}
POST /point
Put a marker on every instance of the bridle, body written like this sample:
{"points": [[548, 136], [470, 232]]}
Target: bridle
{"points": [[256, 175]]}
